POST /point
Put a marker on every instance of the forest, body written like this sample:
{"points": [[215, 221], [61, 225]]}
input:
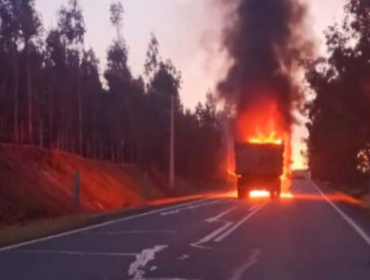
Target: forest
{"points": [[339, 113], [54, 95]]}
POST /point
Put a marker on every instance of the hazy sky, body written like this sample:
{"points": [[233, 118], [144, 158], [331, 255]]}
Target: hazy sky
{"points": [[188, 33]]}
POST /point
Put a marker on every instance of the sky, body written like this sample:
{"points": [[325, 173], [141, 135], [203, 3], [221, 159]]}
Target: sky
{"points": [[189, 34]]}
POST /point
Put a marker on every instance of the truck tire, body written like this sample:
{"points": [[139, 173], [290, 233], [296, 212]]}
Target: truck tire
{"points": [[278, 193], [272, 194], [240, 194], [275, 194]]}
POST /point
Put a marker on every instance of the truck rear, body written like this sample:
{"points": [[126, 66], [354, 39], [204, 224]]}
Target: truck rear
{"points": [[259, 167]]}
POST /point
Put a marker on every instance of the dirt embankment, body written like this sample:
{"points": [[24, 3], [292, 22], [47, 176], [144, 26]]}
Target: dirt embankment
{"points": [[38, 184]]}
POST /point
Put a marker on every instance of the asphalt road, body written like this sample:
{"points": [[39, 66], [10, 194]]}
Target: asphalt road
{"points": [[307, 237]]}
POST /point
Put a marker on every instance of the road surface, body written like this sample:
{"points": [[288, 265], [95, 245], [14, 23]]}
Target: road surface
{"points": [[303, 238]]}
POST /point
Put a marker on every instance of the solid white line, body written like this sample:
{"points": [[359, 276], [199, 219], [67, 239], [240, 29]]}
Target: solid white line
{"points": [[162, 278], [191, 207], [166, 212], [253, 260], [196, 245], [237, 225], [214, 219], [75, 253], [353, 224], [94, 226], [215, 233], [253, 208], [131, 232], [216, 201]]}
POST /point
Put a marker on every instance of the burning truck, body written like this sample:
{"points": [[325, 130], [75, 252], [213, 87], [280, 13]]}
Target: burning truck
{"points": [[266, 42], [259, 166], [262, 153]]}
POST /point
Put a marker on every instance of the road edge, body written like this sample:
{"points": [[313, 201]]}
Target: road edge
{"points": [[359, 230], [96, 224]]}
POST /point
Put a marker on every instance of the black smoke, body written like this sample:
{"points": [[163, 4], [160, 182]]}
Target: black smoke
{"points": [[266, 41]]}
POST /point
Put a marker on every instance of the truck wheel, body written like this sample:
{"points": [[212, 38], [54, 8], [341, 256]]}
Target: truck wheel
{"points": [[278, 193], [240, 194], [272, 194]]}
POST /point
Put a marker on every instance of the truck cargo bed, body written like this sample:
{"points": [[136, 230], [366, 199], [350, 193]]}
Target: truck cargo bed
{"points": [[259, 158]]}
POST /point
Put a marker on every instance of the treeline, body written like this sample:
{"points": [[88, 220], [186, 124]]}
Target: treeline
{"points": [[53, 95], [339, 127]]}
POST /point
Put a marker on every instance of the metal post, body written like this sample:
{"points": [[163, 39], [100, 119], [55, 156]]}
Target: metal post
{"points": [[2, 136], [22, 132], [41, 142], [145, 188], [172, 144], [369, 187], [77, 203]]}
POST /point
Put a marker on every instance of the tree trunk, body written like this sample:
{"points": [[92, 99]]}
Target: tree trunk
{"points": [[2, 136], [41, 140], [123, 151], [58, 140], [29, 92], [80, 139], [16, 85], [94, 143], [102, 150], [63, 140], [51, 118], [66, 140], [73, 138], [22, 133]]}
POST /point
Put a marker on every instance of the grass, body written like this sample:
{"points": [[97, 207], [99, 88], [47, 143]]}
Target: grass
{"points": [[38, 229], [21, 233], [358, 193]]}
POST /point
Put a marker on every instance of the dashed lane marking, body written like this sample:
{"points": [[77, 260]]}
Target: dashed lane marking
{"points": [[191, 207], [97, 226], [252, 260], [112, 233], [75, 253], [240, 223], [219, 216]]}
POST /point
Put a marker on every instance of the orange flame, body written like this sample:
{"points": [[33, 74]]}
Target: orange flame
{"points": [[263, 124], [231, 173], [259, 194], [270, 139], [265, 194]]}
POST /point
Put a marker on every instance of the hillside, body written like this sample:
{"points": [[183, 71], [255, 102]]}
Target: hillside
{"points": [[37, 183]]}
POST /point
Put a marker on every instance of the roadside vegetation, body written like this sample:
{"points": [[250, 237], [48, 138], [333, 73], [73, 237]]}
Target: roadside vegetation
{"points": [[339, 115], [54, 94]]}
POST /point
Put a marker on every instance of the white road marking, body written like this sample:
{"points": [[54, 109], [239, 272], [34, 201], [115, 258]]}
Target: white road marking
{"points": [[216, 232], [253, 259], [75, 253], [131, 232], [162, 278], [216, 201], [216, 218], [183, 257], [96, 226], [253, 208], [137, 268], [352, 223], [176, 211], [237, 225], [195, 245]]}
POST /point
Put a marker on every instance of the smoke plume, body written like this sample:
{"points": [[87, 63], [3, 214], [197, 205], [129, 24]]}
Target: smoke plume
{"points": [[266, 41]]}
